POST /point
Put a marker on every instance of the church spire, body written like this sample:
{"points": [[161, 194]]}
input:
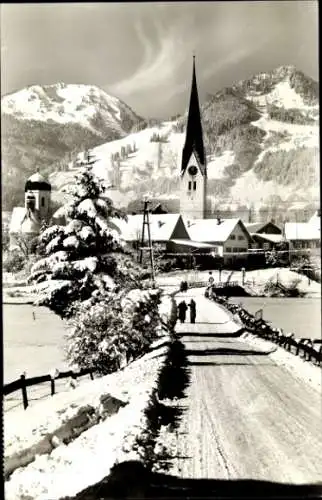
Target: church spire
{"points": [[194, 140]]}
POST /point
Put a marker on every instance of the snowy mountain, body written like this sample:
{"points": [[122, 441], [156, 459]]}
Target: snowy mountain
{"points": [[261, 138], [85, 105], [45, 126]]}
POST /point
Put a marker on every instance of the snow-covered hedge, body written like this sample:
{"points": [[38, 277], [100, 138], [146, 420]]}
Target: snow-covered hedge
{"points": [[107, 334]]}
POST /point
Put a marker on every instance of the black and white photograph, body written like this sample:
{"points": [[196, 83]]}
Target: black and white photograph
{"points": [[161, 250]]}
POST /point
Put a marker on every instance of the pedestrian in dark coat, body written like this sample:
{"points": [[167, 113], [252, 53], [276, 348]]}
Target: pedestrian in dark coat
{"points": [[192, 306], [182, 311]]}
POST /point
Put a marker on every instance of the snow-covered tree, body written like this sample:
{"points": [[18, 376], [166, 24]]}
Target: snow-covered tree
{"points": [[107, 333], [87, 253]]}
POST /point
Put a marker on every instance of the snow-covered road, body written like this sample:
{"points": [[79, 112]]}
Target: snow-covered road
{"points": [[245, 416]]}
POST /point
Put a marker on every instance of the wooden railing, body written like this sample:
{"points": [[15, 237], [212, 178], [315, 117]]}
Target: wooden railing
{"points": [[22, 383], [309, 349]]}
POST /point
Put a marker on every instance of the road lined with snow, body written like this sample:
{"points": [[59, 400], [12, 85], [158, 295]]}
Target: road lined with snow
{"points": [[245, 416]]}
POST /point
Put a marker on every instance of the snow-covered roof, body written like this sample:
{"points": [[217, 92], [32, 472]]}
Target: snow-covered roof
{"points": [[37, 182], [255, 227], [24, 220], [37, 177], [161, 226], [315, 220], [194, 244], [301, 231], [208, 230], [274, 238]]}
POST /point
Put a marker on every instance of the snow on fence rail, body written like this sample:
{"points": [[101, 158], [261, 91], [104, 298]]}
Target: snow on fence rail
{"points": [[22, 383], [305, 347]]}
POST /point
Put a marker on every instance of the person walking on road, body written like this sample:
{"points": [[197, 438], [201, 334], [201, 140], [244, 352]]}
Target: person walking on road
{"points": [[210, 279], [192, 306], [182, 311]]}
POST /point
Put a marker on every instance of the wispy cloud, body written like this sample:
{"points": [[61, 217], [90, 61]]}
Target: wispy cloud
{"points": [[234, 57], [162, 56]]}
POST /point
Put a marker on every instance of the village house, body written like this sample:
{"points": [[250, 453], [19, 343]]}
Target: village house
{"points": [[266, 236], [163, 228], [303, 236], [228, 239]]}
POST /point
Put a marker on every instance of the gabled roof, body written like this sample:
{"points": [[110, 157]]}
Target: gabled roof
{"points": [[161, 226], [301, 231], [273, 238], [194, 139], [255, 227], [208, 230], [24, 220]]}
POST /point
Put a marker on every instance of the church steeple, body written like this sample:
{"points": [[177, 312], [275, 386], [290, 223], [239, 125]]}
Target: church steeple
{"points": [[194, 139], [193, 178]]}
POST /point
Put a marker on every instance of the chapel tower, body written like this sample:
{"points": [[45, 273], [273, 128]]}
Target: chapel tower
{"points": [[193, 176], [37, 195]]}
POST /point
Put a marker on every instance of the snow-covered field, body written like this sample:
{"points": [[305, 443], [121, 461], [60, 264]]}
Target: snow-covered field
{"points": [[256, 279], [46, 468]]}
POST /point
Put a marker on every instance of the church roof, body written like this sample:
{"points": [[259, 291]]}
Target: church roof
{"points": [[194, 139], [24, 220], [37, 182]]}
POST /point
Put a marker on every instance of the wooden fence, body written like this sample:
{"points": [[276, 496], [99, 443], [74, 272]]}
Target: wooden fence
{"points": [[310, 350], [22, 383]]}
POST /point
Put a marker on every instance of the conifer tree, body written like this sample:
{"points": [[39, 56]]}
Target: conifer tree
{"points": [[80, 258]]}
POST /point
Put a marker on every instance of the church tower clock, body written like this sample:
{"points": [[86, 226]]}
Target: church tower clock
{"points": [[193, 177]]}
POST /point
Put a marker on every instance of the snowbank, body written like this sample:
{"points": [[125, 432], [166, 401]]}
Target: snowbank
{"points": [[60, 446], [300, 369]]}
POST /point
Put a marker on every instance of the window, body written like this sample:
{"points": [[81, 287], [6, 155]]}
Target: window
{"points": [[235, 249], [189, 186], [233, 237], [240, 237], [194, 185], [42, 201], [228, 249]]}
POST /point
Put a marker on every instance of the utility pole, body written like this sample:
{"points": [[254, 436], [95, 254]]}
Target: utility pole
{"points": [[146, 222]]}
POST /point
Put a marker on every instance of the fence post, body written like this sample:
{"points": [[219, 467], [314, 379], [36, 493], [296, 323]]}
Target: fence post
{"points": [[52, 385], [91, 375], [24, 391]]}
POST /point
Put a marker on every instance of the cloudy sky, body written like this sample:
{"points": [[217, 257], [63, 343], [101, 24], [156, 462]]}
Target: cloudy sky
{"points": [[142, 52]]}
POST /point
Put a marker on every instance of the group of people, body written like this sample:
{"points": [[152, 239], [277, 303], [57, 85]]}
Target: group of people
{"points": [[183, 307]]}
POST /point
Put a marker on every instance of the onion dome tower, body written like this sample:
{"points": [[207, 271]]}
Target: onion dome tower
{"points": [[37, 195]]}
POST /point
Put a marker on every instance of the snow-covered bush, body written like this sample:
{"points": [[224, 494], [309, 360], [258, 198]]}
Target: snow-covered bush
{"points": [[13, 261], [107, 332], [79, 255]]}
